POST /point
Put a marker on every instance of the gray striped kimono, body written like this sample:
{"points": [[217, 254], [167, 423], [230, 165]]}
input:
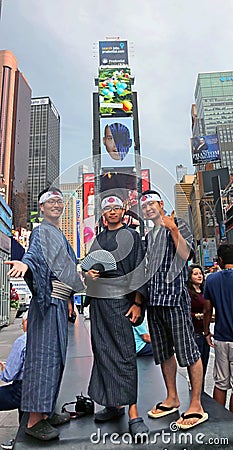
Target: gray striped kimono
{"points": [[49, 255], [113, 379]]}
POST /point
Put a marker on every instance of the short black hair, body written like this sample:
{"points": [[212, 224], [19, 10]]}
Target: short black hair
{"points": [[50, 188], [225, 252], [149, 191]]}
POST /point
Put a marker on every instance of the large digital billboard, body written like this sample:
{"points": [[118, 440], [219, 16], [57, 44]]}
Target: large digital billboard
{"points": [[113, 53], [205, 149], [117, 142], [115, 95]]}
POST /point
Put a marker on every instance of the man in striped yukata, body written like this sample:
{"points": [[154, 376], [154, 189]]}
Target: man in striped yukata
{"points": [[169, 246], [116, 299], [50, 269]]}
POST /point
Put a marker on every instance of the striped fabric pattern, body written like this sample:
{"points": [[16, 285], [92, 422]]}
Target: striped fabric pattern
{"points": [[166, 270], [61, 290], [171, 330], [114, 374], [45, 356]]}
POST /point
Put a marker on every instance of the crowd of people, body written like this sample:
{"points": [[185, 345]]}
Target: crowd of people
{"points": [[159, 279]]}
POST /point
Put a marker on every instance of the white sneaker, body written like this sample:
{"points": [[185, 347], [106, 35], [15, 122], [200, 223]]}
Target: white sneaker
{"points": [[8, 445]]}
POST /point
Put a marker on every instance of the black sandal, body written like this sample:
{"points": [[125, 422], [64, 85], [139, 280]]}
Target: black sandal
{"points": [[42, 430]]}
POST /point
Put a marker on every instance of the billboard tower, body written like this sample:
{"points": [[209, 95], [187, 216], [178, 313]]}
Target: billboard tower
{"points": [[116, 145]]}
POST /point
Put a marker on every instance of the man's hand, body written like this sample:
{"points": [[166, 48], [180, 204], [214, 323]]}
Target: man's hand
{"points": [[209, 340], [2, 365], [169, 222], [135, 312], [93, 274], [18, 270], [70, 307]]}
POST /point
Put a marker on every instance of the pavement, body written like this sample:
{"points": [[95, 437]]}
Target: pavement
{"points": [[9, 420]]}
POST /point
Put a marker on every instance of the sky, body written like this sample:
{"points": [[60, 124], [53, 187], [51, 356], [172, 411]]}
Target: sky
{"points": [[171, 41]]}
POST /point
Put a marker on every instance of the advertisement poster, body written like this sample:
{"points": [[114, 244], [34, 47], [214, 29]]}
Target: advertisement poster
{"points": [[78, 209], [124, 185], [117, 142], [113, 53], [145, 177], [205, 149], [88, 208], [115, 95]]}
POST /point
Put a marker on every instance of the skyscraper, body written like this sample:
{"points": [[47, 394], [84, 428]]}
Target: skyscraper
{"points": [[213, 112], [44, 150], [15, 99], [180, 172], [71, 223]]}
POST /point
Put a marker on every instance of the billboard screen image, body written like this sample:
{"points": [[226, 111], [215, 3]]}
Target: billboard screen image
{"points": [[113, 53], [117, 142], [123, 184], [145, 177], [115, 94], [88, 207], [205, 149]]}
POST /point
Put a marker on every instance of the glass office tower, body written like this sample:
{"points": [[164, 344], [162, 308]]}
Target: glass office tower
{"points": [[214, 112], [44, 150]]}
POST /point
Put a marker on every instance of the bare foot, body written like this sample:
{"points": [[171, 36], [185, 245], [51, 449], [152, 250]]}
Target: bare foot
{"points": [[164, 408], [191, 420]]}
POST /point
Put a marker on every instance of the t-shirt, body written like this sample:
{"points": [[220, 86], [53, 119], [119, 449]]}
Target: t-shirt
{"points": [[197, 304], [219, 290]]}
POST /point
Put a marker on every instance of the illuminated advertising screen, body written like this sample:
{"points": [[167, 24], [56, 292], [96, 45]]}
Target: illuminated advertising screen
{"points": [[123, 184], [205, 149], [113, 53], [145, 177], [117, 142], [78, 209], [88, 207], [115, 95]]}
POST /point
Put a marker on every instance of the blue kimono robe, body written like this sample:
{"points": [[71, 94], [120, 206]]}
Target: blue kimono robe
{"points": [[49, 255]]}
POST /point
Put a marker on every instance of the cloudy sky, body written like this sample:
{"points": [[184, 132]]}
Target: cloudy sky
{"points": [[171, 41]]}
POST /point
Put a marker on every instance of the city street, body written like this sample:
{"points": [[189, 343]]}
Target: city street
{"points": [[9, 420]]}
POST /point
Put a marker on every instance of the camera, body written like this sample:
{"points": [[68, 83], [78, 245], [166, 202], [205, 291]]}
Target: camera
{"points": [[84, 404]]}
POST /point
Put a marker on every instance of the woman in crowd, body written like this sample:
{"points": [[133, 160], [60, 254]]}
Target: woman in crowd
{"points": [[195, 286]]}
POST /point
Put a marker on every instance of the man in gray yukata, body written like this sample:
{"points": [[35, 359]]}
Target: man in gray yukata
{"points": [[50, 269], [116, 299]]}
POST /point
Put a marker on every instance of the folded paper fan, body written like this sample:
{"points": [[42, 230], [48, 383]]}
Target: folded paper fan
{"points": [[101, 260]]}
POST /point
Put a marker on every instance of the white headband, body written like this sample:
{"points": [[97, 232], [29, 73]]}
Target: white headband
{"points": [[50, 194], [150, 198], [110, 201]]}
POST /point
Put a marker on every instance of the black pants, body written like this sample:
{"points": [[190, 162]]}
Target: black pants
{"points": [[10, 397]]}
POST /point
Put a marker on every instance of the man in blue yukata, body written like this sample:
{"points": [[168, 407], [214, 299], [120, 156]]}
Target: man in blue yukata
{"points": [[50, 270]]}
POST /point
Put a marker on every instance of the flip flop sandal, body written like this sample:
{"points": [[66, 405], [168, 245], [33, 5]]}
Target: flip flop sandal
{"points": [[165, 410], [201, 418], [42, 430], [137, 426]]}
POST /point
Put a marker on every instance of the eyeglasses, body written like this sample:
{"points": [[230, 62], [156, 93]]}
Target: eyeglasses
{"points": [[112, 208], [53, 202]]}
